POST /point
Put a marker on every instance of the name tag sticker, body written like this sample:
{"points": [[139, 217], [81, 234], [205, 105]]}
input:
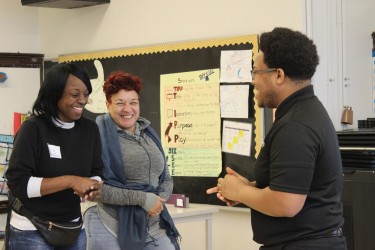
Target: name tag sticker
{"points": [[54, 151]]}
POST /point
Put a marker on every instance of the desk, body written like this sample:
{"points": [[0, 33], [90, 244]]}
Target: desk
{"points": [[195, 212]]}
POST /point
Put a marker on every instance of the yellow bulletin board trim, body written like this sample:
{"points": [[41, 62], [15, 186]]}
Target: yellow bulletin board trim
{"points": [[253, 39]]}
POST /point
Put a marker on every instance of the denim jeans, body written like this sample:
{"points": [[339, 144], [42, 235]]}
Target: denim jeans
{"points": [[99, 238], [31, 239]]}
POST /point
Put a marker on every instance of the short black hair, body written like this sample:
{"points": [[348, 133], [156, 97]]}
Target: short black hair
{"points": [[53, 88], [291, 51]]}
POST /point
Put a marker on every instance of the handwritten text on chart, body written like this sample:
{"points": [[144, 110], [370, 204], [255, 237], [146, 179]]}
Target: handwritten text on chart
{"points": [[190, 122], [196, 162], [191, 112]]}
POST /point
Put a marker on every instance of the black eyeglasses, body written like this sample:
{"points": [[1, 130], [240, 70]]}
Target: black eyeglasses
{"points": [[260, 71]]}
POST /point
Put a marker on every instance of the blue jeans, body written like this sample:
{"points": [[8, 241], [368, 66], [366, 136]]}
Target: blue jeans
{"points": [[99, 238], [31, 239]]}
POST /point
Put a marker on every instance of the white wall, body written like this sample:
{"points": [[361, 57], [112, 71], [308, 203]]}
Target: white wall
{"points": [[19, 33], [17, 95], [135, 23], [19, 28]]}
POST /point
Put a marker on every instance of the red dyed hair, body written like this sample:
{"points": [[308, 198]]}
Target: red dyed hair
{"points": [[121, 80]]}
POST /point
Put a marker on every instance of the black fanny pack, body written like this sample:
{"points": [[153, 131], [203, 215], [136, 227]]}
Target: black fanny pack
{"points": [[55, 233]]}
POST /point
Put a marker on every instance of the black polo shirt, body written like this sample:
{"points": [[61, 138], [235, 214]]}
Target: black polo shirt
{"points": [[300, 155]]}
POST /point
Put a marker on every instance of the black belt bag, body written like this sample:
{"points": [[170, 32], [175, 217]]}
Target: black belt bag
{"points": [[55, 233]]}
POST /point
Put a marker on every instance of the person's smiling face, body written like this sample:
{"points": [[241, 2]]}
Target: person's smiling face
{"points": [[73, 100], [264, 84], [124, 109]]}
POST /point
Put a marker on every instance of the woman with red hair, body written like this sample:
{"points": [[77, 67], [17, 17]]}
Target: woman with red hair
{"points": [[137, 182]]}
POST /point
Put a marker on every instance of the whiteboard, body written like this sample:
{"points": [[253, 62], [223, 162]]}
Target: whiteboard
{"points": [[17, 94]]}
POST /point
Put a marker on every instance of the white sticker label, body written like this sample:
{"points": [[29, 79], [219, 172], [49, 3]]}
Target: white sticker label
{"points": [[54, 151], [180, 202]]}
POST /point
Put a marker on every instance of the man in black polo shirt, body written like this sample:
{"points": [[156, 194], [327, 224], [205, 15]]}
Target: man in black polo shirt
{"points": [[295, 198]]}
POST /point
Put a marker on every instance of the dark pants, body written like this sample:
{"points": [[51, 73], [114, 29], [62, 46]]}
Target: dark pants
{"points": [[328, 243]]}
